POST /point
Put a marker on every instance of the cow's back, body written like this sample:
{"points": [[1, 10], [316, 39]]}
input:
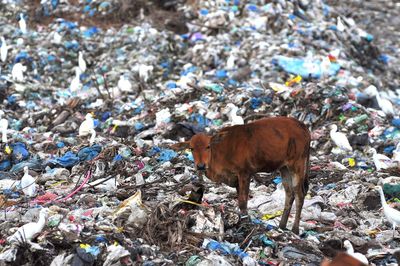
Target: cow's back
{"points": [[264, 145]]}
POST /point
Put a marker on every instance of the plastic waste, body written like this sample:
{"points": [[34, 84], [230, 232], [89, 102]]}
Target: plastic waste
{"points": [[115, 252], [311, 69]]}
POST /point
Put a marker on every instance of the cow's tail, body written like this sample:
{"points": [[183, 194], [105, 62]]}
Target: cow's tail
{"points": [[307, 172]]}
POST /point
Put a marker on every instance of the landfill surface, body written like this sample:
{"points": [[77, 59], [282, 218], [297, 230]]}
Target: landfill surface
{"points": [[94, 94]]}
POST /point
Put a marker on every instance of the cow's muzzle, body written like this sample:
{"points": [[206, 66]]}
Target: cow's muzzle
{"points": [[201, 166]]}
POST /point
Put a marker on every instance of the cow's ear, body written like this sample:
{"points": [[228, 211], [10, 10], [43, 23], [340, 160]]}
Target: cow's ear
{"points": [[181, 146]]}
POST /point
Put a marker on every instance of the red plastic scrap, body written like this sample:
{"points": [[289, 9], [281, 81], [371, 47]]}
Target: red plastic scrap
{"points": [[88, 213], [45, 198], [344, 204]]}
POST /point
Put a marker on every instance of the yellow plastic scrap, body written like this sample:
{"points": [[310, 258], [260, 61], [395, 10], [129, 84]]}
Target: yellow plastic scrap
{"points": [[293, 81], [372, 232], [270, 216], [123, 206], [84, 246], [352, 162], [114, 129], [8, 150], [190, 202], [58, 183]]}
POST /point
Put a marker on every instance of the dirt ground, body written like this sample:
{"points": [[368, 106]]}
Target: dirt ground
{"points": [[162, 14]]}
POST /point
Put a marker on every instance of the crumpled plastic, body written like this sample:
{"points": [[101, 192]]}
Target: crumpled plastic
{"points": [[69, 159], [19, 152], [115, 252], [299, 66], [88, 153]]}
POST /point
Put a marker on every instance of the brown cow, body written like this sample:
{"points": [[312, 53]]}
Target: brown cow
{"points": [[235, 153]]}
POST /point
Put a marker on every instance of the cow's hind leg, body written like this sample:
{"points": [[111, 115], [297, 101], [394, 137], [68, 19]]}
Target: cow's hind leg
{"points": [[243, 188], [299, 187], [289, 195]]}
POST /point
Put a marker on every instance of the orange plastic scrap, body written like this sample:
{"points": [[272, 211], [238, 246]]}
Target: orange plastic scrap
{"points": [[4, 203], [332, 58], [295, 92]]}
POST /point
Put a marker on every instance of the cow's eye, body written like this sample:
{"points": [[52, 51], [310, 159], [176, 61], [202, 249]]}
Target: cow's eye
{"points": [[208, 147]]}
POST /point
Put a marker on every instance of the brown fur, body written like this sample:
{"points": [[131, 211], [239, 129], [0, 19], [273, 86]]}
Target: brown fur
{"points": [[342, 259], [235, 153]]}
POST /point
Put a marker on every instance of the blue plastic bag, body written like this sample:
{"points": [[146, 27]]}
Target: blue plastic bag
{"points": [[396, 122], [298, 66], [226, 248], [5, 165], [88, 153], [19, 152], [68, 160], [34, 164], [167, 155]]}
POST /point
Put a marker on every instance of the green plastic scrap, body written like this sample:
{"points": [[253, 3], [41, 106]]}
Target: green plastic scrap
{"points": [[215, 87], [393, 191], [193, 260]]}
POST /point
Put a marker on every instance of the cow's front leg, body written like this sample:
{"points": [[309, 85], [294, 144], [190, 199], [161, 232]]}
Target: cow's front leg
{"points": [[243, 192]]}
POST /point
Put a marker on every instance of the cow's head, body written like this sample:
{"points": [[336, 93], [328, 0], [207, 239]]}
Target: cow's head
{"points": [[199, 144]]}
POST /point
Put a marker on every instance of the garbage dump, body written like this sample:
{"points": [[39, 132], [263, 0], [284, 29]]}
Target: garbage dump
{"points": [[96, 95]]}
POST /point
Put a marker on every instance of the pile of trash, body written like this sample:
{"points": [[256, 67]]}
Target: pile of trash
{"points": [[94, 93]]}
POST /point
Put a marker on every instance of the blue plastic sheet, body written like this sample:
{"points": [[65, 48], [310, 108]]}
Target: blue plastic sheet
{"points": [[105, 116], [396, 122], [200, 119], [139, 126], [277, 180], [5, 165], [189, 156], [19, 152], [54, 3], [153, 151], [88, 153], [167, 155], [68, 160], [267, 242], [118, 158], [226, 248], [60, 144], [255, 103], [6, 175], [298, 66], [34, 164], [22, 56], [90, 32], [94, 250], [221, 74], [101, 239], [389, 149], [11, 194]]}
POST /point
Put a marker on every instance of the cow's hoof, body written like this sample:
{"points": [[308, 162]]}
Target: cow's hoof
{"points": [[295, 231], [283, 227]]}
